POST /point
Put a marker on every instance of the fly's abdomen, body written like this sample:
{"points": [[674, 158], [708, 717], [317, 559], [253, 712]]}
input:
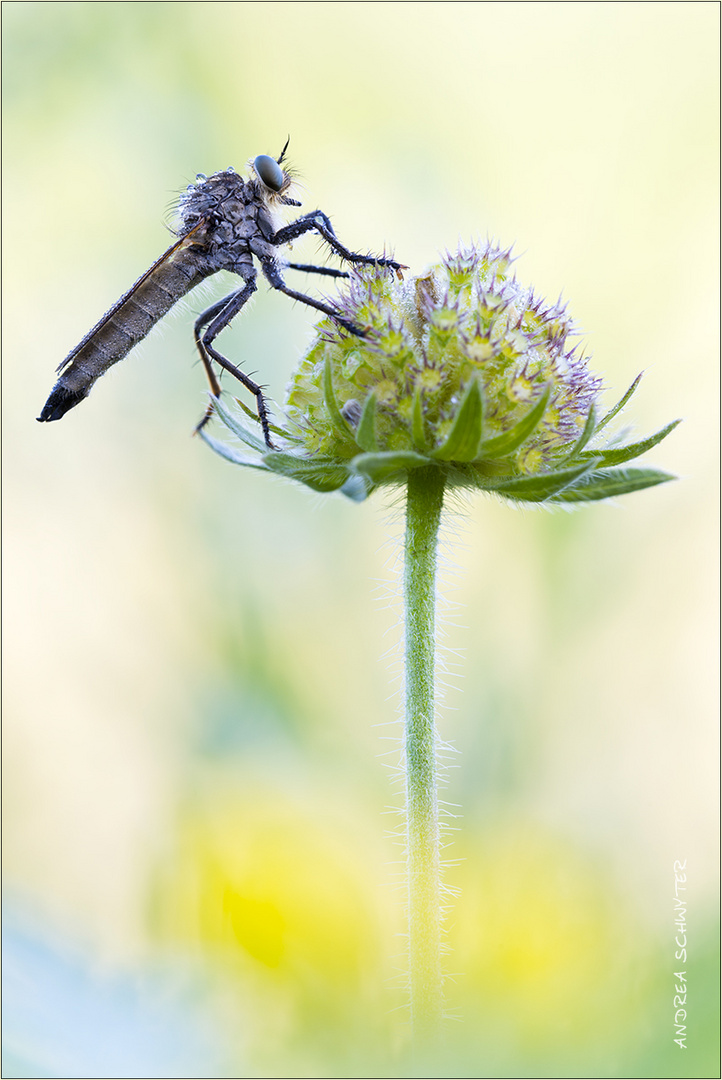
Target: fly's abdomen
{"points": [[178, 271]]}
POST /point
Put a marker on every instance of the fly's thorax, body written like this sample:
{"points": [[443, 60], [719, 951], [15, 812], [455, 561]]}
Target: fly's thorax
{"points": [[208, 196]]}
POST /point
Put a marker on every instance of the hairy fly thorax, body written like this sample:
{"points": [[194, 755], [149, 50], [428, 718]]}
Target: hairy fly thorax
{"points": [[229, 214], [225, 222]]}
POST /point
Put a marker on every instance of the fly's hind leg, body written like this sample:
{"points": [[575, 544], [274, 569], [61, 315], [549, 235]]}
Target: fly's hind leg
{"points": [[216, 318], [203, 319]]}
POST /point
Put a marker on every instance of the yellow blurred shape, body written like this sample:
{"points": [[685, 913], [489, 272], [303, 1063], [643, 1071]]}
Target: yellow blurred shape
{"points": [[258, 926], [538, 935], [265, 880]]}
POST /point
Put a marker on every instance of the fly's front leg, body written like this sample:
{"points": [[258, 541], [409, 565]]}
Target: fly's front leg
{"points": [[274, 277], [321, 223], [219, 316]]}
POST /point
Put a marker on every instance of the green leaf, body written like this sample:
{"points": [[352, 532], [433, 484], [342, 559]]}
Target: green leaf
{"points": [[230, 454], [617, 455], [339, 420], [620, 404], [379, 467], [234, 424], [511, 440], [462, 442], [541, 486], [606, 483], [366, 431], [318, 475], [418, 433]]}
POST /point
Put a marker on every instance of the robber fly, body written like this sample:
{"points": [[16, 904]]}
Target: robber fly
{"points": [[224, 222]]}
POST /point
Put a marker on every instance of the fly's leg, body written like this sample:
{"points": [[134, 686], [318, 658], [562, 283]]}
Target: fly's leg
{"points": [[310, 269], [273, 275], [203, 319], [320, 222], [219, 316]]}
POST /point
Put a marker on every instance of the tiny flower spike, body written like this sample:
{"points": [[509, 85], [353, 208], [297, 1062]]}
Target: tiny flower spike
{"points": [[462, 370], [463, 378]]}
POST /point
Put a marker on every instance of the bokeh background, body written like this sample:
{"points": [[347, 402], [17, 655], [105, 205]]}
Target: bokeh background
{"points": [[201, 685]]}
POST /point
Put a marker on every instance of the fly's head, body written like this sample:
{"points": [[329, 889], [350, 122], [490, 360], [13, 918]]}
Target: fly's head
{"points": [[272, 180]]}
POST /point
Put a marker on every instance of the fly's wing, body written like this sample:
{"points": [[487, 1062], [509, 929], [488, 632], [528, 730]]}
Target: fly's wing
{"points": [[171, 277]]}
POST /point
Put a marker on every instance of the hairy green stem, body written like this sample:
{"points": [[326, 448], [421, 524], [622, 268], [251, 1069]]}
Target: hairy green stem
{"points": [[425, 496]]}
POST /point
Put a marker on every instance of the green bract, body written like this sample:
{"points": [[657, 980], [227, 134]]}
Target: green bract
{"points": [[462, 369]]}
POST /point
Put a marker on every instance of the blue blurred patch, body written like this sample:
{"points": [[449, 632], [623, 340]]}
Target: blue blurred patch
{"points": [[61, 1019]]}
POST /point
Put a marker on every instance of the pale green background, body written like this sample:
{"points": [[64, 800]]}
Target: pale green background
{"points": [[196, 656]]}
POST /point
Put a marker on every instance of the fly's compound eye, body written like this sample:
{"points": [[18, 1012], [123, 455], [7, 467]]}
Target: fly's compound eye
{"points": [[269, 172]]}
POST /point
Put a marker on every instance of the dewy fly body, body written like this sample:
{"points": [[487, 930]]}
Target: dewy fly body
{"points": [[225, 222]]}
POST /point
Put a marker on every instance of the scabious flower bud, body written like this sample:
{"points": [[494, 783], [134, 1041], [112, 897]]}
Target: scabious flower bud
{"points": [[461, 368]]}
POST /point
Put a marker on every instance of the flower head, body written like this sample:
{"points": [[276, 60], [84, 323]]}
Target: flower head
{"points": [[461, 368]]}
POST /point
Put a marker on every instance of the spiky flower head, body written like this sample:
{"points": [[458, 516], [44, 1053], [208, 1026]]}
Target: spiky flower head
{"points": [[463, 369]]}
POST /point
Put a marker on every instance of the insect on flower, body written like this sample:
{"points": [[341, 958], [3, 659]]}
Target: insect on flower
{"points": [[224, 222]]}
